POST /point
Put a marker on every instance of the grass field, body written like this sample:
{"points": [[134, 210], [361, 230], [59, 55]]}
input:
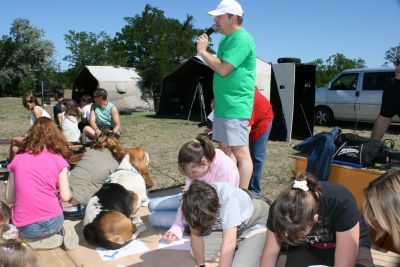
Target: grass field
{"points": [[162, 138]]}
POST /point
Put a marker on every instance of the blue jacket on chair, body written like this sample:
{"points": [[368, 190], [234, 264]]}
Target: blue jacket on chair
{"points": [[320, 149]]}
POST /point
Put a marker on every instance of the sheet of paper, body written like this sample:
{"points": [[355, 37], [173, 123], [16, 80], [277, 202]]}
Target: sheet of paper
{"points": [[211, 116], [183, 244], [135, 247]]}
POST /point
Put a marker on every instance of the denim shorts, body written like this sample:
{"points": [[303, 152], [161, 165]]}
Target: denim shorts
{"points": [[42, 229], [233, 132]]}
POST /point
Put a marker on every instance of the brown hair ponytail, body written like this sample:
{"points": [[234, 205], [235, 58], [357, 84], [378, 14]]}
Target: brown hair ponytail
{"points": [[193, 151], [295, 208]]}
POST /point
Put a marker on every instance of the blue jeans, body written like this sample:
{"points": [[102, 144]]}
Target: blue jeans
{"points": [[42, 229], [163, 210], [320, 149], [258, 150]]}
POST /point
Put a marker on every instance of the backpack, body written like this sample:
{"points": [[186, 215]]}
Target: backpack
{"points": [[359, 150]]}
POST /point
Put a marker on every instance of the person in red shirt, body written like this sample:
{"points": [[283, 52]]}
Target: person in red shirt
{"points": [[261, 124]]}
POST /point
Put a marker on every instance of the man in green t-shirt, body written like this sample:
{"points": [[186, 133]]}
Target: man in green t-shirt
{"points": [[234, 81]]}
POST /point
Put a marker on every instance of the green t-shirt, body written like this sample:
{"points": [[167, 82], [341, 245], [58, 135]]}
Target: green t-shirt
{"points": [[234, 93]]}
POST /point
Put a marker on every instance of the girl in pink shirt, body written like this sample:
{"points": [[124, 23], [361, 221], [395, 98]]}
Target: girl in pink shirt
{"points": [[39, 181], [197, 160]]}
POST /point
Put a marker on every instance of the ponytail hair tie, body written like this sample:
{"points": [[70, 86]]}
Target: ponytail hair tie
{"points": [[300, 185], [11, 233]]}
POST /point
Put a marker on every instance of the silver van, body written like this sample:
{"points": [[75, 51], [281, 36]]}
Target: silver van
{"points": [[352, 95]]}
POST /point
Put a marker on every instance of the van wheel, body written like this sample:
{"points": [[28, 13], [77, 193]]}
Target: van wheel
{"points": [[323, 116]]}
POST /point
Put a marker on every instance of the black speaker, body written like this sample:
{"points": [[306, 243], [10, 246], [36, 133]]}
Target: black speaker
{"points": [[304, 101], [299, 79]]}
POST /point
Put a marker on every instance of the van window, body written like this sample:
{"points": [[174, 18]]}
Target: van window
{"points": [[345, 82], [376, 80]]}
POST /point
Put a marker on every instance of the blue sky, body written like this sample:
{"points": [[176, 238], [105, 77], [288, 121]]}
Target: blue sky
{"points": [[307, 29]]}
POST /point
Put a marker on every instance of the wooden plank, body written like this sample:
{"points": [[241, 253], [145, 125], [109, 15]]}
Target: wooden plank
{"points": [[55, 257]]}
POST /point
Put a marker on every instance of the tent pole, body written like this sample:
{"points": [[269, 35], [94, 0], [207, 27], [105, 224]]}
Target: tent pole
{"points": [[199, 90]]}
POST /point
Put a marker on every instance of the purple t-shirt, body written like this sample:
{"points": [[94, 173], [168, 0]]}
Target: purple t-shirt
{"points": [[35, 183]]}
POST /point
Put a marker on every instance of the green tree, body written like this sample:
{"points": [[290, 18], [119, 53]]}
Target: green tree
{"points": [[332, 66], [25, 58], [156, 45], [392, 54], [87, 48]]}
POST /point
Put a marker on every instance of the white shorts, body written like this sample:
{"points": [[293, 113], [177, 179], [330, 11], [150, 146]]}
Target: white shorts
{"points": [[233, 132]]}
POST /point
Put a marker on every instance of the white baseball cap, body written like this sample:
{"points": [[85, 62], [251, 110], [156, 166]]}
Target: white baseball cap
{"points": [[227, 7]]}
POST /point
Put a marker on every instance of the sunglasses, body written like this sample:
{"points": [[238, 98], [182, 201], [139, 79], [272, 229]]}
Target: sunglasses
{"points": [[30, 101]]}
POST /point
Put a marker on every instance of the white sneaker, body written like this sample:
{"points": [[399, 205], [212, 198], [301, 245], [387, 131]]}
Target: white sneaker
{"points": [[71, 238], [50, 242]]}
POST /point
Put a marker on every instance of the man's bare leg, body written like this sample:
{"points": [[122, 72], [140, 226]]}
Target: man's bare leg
{"points": [[244, 163]]}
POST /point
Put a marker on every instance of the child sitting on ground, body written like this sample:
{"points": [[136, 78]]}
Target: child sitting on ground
{"points": [[321, 224], [198, 160], [86, 105], [221, 219], [68, 121], [13, 251], [38, 182]]}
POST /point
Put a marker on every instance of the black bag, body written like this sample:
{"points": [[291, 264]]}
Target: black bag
{"points": [[359, 150]]}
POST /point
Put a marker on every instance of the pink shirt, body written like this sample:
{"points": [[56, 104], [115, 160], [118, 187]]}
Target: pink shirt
{"points": [[222, 169], [35, 182]]}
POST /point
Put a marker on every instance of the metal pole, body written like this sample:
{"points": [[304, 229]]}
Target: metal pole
{"points": [[194, 97]]}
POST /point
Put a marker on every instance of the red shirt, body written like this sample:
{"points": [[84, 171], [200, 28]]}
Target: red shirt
{"points": [[261, 117]]}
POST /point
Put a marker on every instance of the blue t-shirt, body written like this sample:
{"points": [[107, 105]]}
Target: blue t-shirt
{"points": [[103, 115]]}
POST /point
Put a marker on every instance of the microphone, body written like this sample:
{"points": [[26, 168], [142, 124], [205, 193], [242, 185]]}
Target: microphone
{"points": [[214, 28], [209, 31]]}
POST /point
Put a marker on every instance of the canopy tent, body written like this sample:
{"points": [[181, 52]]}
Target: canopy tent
{"points": [[179, 88], [121, 83], [178, 93]]}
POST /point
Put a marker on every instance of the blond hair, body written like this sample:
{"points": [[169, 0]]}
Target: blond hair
{"points": [[382, 205]]}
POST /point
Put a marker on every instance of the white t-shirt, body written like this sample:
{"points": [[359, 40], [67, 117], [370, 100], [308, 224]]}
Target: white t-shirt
{"points": [[69, 126], [86, 112], [236, 205], [44, 114]]}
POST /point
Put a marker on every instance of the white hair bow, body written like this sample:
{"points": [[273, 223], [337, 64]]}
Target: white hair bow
{"points": [[300, 185]]}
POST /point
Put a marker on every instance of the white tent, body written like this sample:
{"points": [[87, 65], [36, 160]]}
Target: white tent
{"points": [[121, 83]]}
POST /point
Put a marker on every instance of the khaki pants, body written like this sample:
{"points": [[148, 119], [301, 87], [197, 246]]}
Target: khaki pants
{"points": [[249, 246]]}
